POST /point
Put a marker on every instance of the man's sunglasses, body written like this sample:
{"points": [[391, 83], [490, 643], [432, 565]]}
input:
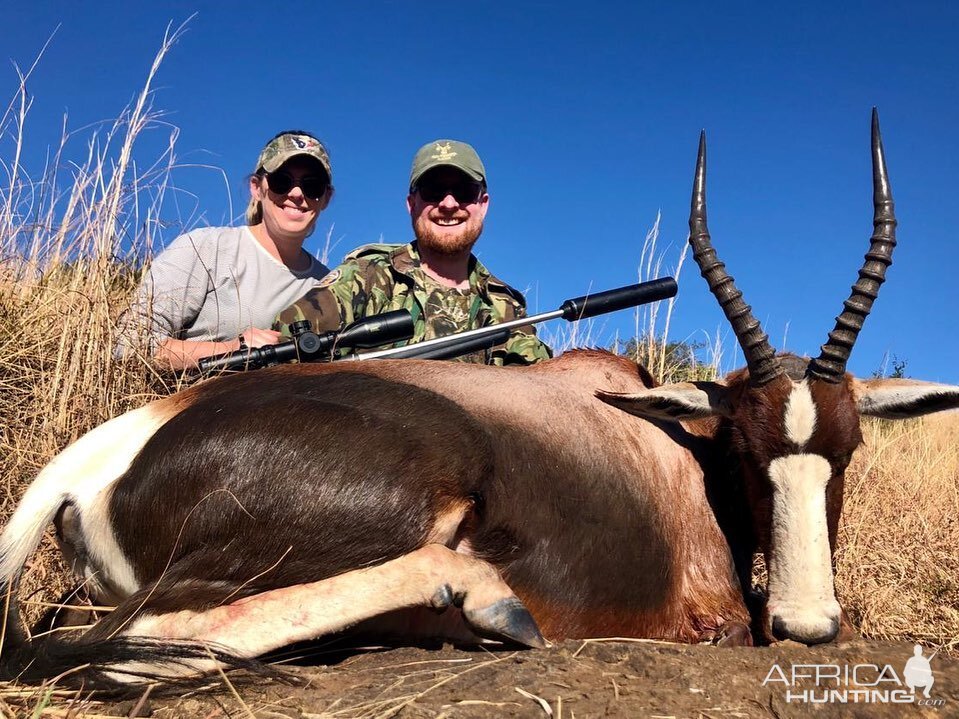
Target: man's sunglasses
{"points": [[464, 193], [281, 183]]}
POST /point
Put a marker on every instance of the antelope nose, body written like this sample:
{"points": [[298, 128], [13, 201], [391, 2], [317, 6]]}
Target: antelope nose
{"points": [[819, 631]]}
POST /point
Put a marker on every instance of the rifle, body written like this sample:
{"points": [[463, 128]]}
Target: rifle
{"points": [[396, 326]]}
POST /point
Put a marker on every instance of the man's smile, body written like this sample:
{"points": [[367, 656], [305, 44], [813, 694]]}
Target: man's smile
{"points": [[449, 221]]}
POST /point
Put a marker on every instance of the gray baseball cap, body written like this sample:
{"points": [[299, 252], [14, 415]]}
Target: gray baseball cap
{"points": [[282, 148], [447, 153]]}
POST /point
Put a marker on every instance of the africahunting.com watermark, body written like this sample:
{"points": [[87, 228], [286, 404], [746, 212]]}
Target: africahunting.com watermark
{"points": [[857, 683]]}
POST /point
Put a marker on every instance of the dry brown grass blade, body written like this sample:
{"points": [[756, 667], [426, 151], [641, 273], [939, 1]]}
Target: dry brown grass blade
{"points": [[232, 689], [392, 711], [543, 704], [137, 708], [55, 713], [897, 563]]}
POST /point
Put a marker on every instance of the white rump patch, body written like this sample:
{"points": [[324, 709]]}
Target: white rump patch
{"points": [[800, 419], [800, 584], [96, 461], [83, 474]]}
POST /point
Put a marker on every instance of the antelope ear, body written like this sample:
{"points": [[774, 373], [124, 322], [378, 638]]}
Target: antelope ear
{"points": [[903, 398], [675, 402]]}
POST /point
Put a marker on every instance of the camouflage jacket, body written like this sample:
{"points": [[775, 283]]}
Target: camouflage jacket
{"points": [[380, 278]]}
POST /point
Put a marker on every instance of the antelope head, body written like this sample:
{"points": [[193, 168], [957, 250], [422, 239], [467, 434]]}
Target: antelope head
{"points": [[794, 423]]}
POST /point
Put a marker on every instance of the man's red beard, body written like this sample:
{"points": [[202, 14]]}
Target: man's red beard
{"points": [[447, 244]]}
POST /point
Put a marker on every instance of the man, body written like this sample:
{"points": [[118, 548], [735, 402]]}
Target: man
{"points": [[436, 277]]}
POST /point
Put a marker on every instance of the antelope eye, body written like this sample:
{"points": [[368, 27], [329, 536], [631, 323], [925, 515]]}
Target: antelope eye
{"points": [[842, 461]]}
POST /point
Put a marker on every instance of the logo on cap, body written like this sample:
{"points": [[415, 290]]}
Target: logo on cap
{"points": [[445, 152]]}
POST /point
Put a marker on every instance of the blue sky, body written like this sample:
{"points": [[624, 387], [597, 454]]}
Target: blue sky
{"points": [[587, 116]]}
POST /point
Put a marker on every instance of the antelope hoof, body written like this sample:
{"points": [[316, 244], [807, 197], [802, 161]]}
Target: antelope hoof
{"points": [[734, 634], [507, 619]]}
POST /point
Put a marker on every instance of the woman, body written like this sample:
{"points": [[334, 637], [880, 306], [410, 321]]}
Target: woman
{"points": [[215, 289]]}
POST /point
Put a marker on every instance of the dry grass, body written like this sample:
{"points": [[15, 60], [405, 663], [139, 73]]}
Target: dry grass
{"points": [[69, 239], [897, 564], [70, 235]]}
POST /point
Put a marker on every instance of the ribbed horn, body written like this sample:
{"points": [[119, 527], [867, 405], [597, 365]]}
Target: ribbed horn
{"points": [[831, 363], [760, 356]]}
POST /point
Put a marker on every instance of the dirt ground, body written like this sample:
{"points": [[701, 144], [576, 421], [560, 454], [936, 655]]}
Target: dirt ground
{"points": [[596, 678]]}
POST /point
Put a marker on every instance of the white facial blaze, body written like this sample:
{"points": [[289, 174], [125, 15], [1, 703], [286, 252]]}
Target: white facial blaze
{"points": [[801, 593], [800, 418]]}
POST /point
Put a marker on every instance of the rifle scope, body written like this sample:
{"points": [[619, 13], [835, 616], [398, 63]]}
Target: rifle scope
{"points": [[309, 346]]}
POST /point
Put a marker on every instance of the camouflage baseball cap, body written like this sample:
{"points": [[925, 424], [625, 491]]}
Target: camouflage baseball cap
{"points": [[289, 144], [447, 153]]}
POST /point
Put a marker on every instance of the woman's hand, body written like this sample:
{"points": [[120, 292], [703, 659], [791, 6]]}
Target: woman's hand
{"points": [[255, 337], [184, 354]]}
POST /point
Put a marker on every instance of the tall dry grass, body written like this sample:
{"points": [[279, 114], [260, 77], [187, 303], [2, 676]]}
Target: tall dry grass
{"points": [[897, 564], [71, 234]]}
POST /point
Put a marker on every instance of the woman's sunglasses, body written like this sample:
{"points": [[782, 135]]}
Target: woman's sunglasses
{"points": [[281, 183], [464, 193]]}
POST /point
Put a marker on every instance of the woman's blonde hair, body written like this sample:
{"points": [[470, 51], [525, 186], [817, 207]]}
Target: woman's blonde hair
{"points": [[254, 210]]}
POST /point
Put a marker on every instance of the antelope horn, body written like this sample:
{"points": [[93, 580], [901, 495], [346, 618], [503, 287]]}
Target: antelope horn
{"points": [[760, 356], [831, 363]]}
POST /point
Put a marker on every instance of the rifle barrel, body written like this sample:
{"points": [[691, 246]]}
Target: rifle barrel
{"points": [[461, 336], [456, 346], [571, 310]]}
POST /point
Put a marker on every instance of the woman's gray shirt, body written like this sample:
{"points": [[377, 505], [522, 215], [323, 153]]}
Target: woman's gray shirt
{"points": [[210, 285]]}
